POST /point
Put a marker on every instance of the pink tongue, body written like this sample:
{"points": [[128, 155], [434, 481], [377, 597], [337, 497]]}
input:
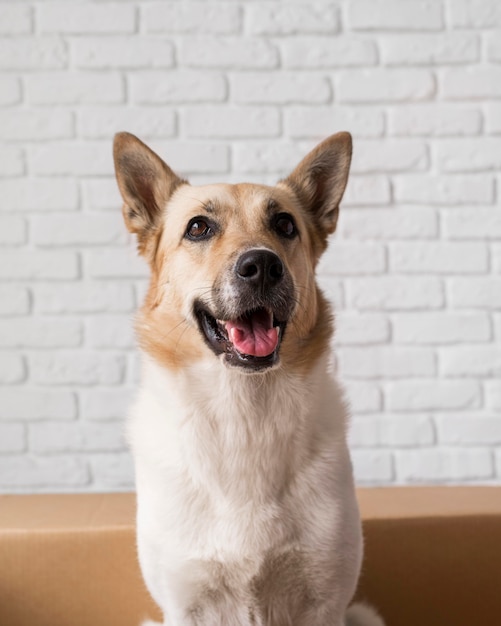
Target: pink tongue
{"points": [[254, 336]]}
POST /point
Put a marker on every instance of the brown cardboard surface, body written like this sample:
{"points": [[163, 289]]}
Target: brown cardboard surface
{"points": [[433, 558]]}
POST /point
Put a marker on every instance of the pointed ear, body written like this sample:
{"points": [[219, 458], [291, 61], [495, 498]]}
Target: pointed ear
{"points": [[320, 179], [146, 184]]}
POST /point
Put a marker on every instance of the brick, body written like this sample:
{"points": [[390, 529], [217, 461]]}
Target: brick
{"points": [[111, 331], [432, 395], [478, 223], [471, 360], [76, 437], [38, 264], [74, 88], [33, 125], [493, 117], [30, 332], [494, 47], [12, 230], [395, 223], [441, 328], [122, 52], [396, 431], [231, 122], [280, 19], [350, 258], [372, 466], [227, 53], [355, 328], [372, 190], [113, 470], [192, 157], [435, 120], [270, 156], [332, 289], [316, 122], [103, 122], [385, 362], [389, 293], [12, 370], [83, 297], [471, 83], [101, 194], [282, 88], [15, 20], [469, 429], [105, 403], [39, 195], [37, 404], [14, 300], [496, 257], [479, 292], [475, 13], [54, 17], [430, 49], [363, 396], [439, 465], [193, 18], [43, 472], [11, 161], [158, 87], [439, 257], [115, 263], [468, 155], [10, 90], [389, 156], [76, 368], [451, 189], [327, 52], [32, 53], [394, 15], [492, 394], [77, 159], [12, 438], [79, 229], [385, 85]]}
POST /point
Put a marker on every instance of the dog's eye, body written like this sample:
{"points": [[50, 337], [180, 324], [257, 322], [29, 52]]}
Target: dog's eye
{"points": [[285, 226], [198, 229]]}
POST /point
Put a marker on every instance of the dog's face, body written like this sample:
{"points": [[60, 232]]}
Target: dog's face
{"points": [[232, 266]]}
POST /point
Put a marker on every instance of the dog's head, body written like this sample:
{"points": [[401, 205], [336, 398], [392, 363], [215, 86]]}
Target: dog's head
{"points": [[232, 266]]}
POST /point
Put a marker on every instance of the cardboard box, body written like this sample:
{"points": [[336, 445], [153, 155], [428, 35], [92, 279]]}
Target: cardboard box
{"points": [[433, 558]]}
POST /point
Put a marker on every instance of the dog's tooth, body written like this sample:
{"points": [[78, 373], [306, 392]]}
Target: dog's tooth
{"points": [[232, 332]]}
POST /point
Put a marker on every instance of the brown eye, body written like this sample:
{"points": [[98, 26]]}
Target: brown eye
{"points": [[198, 228], [285, 226]]}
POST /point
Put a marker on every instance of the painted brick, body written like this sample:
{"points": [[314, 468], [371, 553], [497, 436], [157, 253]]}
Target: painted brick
{"points": [[111, 331], [328, 52], [103, 122], [105, 403], [435, 465], [469, 429], [231, 122], [228, 52], [385, 362], [39, 194], [114, 263], [14, 300], [283, 88], [440, 328], [471, 82], [54, 17], [83, 297], [191, 157], [471, 360], [439, 257], [115, 470], [432, 395], [28, 404], [395, 223], [12, 371], [11, 161], [350, 258], [282, 19], [40, 333], [80, 229], [271, 156], [332, 288], [33, 125], [389, 156], [15, 19], [492, 393], [122, 52], [76, 368], [314, 122], [363, 396], [480, 292], [40, 472], [435, 119], [12, 230], [372, 190], [78, 159], [496, 257], [10, 90], [76, 437], [478, 223], [74, 88], [372, 466], [384, 85], [475, 13], [494, 47], [196, 17], [398, 431], [394, 15], [101, 194], [467, 155], [493, 117], [39, 264], [395, 293], [31, 53], [430, 49], [355, 328], [158, 87], [444, 190], [12, 438]]}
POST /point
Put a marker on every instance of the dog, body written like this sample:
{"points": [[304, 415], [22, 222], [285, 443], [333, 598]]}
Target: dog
{"points": [[246, 507]]}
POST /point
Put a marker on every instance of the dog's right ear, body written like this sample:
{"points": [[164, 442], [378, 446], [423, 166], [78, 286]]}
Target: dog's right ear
{"points": [[146, 184]]}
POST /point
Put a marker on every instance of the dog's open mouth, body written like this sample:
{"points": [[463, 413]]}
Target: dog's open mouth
{"points": [[252, 340]]}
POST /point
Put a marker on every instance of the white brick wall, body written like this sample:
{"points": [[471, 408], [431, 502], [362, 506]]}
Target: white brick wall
{"points": [[237, 90]]}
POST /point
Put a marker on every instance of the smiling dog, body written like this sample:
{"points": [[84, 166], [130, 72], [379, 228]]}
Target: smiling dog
{"points": [[246, 504]]}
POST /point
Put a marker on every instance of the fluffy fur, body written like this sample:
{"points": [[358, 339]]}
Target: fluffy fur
{"points": [[246, 504]]}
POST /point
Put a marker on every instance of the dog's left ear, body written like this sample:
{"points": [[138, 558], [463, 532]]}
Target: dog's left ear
{"points": [[320, 179]]}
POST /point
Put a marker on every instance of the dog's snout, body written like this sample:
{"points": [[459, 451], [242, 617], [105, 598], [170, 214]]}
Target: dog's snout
{"points": [[261, 268]]}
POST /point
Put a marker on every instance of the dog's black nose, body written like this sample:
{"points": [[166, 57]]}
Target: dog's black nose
{"points": [[261, 268]]}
